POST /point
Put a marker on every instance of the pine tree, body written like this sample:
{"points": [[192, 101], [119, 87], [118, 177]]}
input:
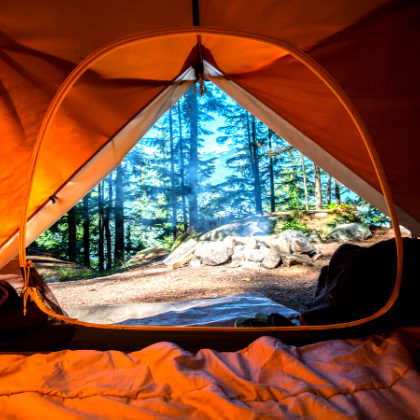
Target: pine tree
{"points": [[182, 169], [192, 106], [72, 234], [107, 222], [305, 184], [86, 231], [329, 189], [101, 226], [318, 191], [173, 185], [337, 193], [119, 248]]}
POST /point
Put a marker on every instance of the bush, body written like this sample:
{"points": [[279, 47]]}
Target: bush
{"points": [[344, 208], [295, 225]]}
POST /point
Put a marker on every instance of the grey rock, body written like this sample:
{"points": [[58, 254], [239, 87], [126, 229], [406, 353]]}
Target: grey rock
{"points": [[254, 255], [301, 247], [251, 244], [253, 265], [278, 245], [212, 253], [248, 226], [229, 242], [252, 230], [52, 280], [238, 255], [271, 259], [239, 248], [298, 239], [195, 262], [294, 259], [350, 232], [321, 214], [264, 249], [314, 237]]}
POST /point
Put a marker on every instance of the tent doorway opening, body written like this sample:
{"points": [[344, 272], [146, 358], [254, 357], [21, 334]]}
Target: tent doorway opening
{"points": [[196, 211]]}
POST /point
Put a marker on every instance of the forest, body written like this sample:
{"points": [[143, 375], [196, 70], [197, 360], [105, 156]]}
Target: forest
{"points": [[206, 162]]}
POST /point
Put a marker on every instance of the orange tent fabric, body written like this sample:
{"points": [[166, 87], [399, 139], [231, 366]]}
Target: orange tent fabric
{"points": [[369, 47], [371, 378]]}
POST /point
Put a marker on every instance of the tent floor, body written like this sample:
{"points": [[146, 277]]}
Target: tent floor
{"points": [[218, 312]]}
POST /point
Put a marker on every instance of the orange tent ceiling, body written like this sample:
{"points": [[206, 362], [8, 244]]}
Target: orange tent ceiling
{"points": [[369, 47]]}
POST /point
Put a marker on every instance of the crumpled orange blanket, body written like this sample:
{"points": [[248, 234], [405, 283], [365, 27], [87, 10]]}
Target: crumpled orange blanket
{"points": [[370, 378]]}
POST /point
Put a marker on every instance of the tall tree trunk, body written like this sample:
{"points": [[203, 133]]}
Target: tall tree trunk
{"points": [[72, 233], [173, 193], [181, 151], [337, 193], [86, 231], [107, 223], [253, 151], [329, 189], [101, 226], [193, 161], [119, 249], [129, 244], [318, 191], [305, 183], [271, 167]]}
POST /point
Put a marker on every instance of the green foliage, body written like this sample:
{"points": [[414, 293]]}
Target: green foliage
{"points": [[67, 274], [345, 208], [295, 225]]}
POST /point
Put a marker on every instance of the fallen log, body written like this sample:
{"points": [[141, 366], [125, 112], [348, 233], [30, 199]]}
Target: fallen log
{"points": [[185, 258], [180, 252]]}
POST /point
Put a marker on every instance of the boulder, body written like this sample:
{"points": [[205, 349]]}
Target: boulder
{"points": [[264, 249], [212, 253], [278, 245], [195, 262], [52, 280], [314, 237], [252, 230], [271, 259], [350, 232], [253, 265], [300, 247], [321, 214], [238, 253], [249, 226], [294, 259], [238, 248], [299, 243], [252, 244], [229, 242], [254, 255]]}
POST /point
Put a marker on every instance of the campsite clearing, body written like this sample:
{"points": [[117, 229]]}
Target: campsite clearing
{"points": [[154, 282]]}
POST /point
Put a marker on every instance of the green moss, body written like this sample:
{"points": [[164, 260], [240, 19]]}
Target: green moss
{"points": [[338, 219]]}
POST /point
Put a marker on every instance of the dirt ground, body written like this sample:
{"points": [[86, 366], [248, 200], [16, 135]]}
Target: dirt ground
{"points": [[154, 282]]}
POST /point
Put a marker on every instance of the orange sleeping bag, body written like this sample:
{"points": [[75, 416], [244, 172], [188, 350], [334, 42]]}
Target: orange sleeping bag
{"points": [[370, 378]]}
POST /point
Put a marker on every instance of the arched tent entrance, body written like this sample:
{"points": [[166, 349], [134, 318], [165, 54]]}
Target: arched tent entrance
{"points": [[93, 159], [369, 48]]}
